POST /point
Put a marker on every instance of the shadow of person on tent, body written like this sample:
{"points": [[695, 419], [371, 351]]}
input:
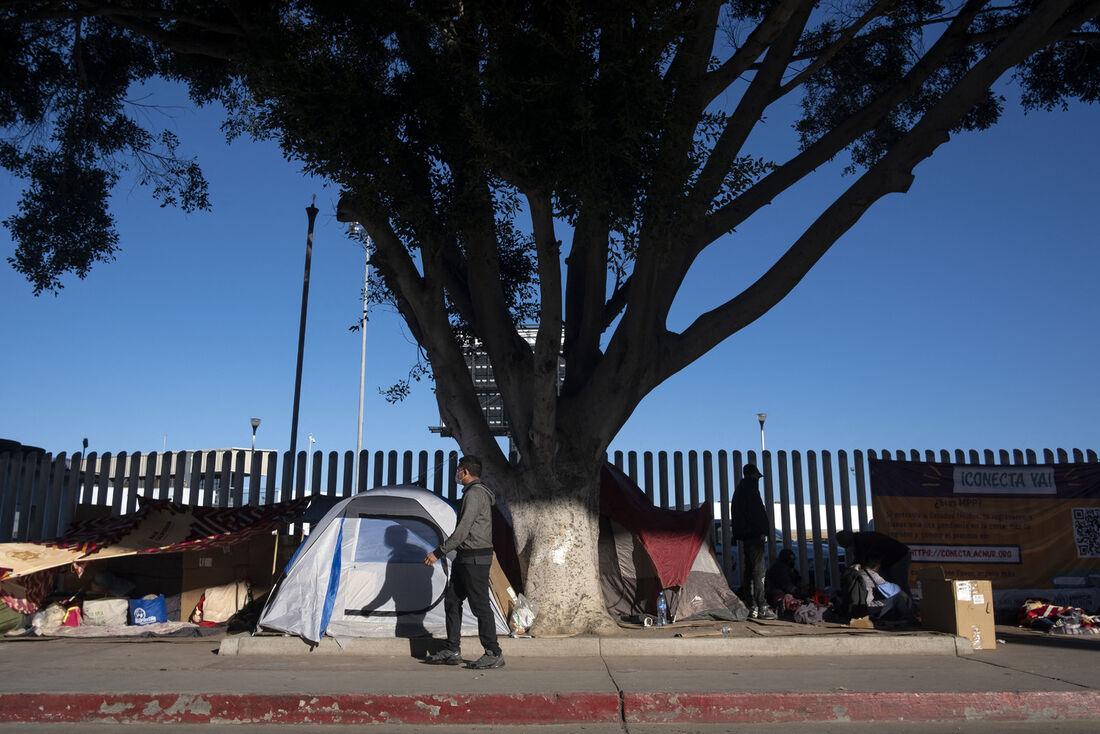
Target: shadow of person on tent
{"points": [[408, 584]]}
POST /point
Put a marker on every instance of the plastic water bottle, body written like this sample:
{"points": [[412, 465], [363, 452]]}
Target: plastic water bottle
{"points": [[662, 610]]}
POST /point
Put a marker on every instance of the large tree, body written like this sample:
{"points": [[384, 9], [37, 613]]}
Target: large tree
{"points": [[549, 161]]}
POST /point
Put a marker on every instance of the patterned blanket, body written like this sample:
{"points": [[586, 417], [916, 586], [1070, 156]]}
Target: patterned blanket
{"points": [[1040, 614]]}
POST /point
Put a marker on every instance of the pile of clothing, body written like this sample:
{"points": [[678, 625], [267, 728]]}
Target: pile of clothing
{"points": [[804, 611], [1040, 614]]}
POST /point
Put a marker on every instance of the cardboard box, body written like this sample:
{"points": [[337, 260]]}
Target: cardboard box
{"points": [[501, 589], [961, 606], [252, 559]]}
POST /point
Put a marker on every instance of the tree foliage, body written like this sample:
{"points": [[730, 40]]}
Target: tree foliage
{"points": [[527, 160]]}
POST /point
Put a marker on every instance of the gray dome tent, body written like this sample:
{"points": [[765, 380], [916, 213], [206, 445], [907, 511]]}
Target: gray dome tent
{"points": [[361, 571]]}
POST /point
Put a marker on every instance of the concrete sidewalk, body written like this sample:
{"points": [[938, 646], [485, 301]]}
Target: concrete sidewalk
{"points": [[757, 672]]}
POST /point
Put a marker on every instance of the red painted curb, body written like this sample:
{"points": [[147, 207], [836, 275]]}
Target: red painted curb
{"points": [[203, 708], [685, 708], [720, 708]]}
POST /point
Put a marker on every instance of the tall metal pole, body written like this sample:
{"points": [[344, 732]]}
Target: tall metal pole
{"points": [[311, 212], [761, 417], [362, 367]]}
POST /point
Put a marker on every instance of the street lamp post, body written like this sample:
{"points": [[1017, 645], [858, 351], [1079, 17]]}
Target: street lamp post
{"points": [[761, 417], [356, 230], [311, 212], [255, 422], [309, 471]]}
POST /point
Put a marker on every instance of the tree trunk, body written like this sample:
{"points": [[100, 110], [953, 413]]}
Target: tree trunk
{"points": [[556, 516]]}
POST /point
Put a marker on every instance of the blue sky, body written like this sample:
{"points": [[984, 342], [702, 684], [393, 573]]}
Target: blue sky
{"points": [[959, 315]]}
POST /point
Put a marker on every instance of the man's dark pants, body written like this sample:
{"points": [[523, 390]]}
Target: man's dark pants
{"points": [[752, 551], [470, 580]]}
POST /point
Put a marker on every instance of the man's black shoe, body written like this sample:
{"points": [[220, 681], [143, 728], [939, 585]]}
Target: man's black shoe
{"points": [[487, 661], [444, 657]]}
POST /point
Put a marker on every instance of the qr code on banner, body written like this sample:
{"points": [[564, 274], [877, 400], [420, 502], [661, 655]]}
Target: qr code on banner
{"points": [[1086, 531]]}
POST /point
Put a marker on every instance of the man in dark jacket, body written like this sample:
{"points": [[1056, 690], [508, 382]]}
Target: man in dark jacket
{"points": [[751, 526], [473, 541]]}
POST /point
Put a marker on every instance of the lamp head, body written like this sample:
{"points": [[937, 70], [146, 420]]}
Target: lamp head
{"points": [[761, 417]]}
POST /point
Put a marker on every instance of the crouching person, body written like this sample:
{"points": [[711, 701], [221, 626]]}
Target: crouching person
{"points": [[473, 541], [865, 593]]}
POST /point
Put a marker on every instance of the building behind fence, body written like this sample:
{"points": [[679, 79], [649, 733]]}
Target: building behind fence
{"points": [[810, 495]]}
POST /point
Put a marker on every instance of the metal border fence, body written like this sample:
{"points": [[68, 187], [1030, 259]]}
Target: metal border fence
{"points": [[809, 495]]}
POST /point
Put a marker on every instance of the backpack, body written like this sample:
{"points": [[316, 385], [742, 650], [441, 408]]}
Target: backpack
{"points": [[851, 601]]}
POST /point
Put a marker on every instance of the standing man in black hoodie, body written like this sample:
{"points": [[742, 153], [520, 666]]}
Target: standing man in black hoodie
{"points": [[473, 539], [751, 526]]}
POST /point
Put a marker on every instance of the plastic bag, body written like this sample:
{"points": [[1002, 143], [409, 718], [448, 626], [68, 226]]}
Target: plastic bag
{"points": [[73, 617], [47, 620], [523, 615], [149, 610], [106, 612]]}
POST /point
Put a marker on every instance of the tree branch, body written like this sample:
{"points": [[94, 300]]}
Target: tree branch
{"points": [[420, 302], [617, 302], [224, 51], [585, 291], [684, 78], [548, 341], [743, 59], [751, 106], [893, 173], [826, 55], [493, 322], [693, 55], [728, 217]]}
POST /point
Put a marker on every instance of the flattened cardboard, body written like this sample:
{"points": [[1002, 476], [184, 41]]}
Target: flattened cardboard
{"points": [[501, 588]]}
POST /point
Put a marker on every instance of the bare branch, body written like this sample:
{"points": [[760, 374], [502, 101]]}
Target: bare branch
{"points": [[730, 216], [745, 57], [617, 302], [750, 107], [893, 173]]}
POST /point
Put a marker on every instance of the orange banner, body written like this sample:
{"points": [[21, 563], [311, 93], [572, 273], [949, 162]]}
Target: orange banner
{"points": [[1021, 527]]}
